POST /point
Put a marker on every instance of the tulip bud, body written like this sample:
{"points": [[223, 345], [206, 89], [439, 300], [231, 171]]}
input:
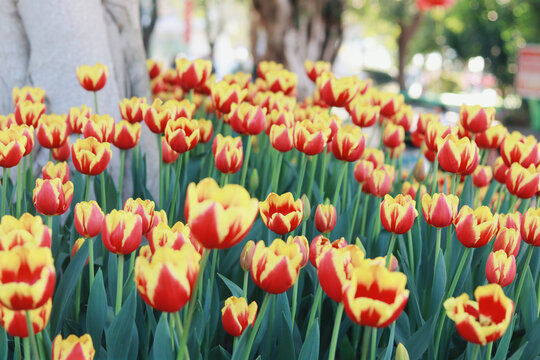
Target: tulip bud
{"points": [[63, 152], [325, 218], [192, 74], [530, 227], [500, 169], [521, 181], [363, 170], [500, 268], [349, 143], [380, 181], [131, 109], [126, 135], [398, 214], [93, 78], [14, 145], [390, 103], [420, 170], [440, 210], [59, 170], [246, 257], [481, 177], [206, 130], [182, 134], [73, 347], [393, 135], [28, 113], [475, 228], [236, 315], [306, 205], [228, 153], [88, 218], [401, 352], [475, 118], [363, 114], [52, 130], [314, 69], [77, 117], [89, 156], [281, 138], [310, 137], [253, 182], [336, 92], [457, 156], [143, 208]]}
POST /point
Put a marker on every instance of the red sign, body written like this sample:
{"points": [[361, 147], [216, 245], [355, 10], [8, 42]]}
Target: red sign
{"points": [[528, 74]]}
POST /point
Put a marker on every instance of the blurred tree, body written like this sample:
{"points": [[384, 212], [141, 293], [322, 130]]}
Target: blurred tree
{"points": [[149, 14]]}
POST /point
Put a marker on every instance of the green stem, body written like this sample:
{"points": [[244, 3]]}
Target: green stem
{"points": [[275, 176], [325, 156], [448, 251], [335, 332], [476, 351], [373, 343], [176, 189], [523, 274], [91, 261], [26, 349], [314, 307], [180, 333], [19, 189], [355, 211], [377, 228], [303, 163], [119, 284], [512, 205], [103, 195], [245, 284], [339, 181], [160, 160], [87, 188], [41, 348], [4, 191], [78, 299], [17, 343], [488, 350], [313, 164], [167, 178], [434, 176], [364, 214], [499, 199], [96, 102], [223, 179], [121, 177], [294, 301], [437, 250], [255, 329], [245, 165], [31, 336], [411, 253], [365, 343], [390, 249]]}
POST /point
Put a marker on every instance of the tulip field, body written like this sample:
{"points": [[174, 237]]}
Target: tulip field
{"points": [[279, 230]]}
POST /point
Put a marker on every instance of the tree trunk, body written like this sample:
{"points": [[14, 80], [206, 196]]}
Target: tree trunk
{"points": [[405, 36], [148, 29]]}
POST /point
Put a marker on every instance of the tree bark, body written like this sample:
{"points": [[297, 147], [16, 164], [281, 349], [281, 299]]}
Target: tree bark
{"points": [[405, 36]]}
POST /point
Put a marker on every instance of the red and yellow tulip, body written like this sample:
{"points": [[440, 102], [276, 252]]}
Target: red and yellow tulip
{"points": [[335, 269], [314, 69], [325, 218], [398, 214], [77, 117], [28, 113], [475, 228], [475, 118], [131, 109], [89, 156], [228, 153], [100, 127], [246, 119], [182, 134], [530, 227], [281, 213], [88, 218], [14, 321], [59, 170], [193, 74], [143, 208], [336, 92], [52, 130], [28, 229], [457, 156], [32, 94], [73, 347], [521, 181], [12, 147], [349, 143], [93, 78], [126, 135], [52, 197], [500, 268], [236, 315], [122, 232], [440, 210]]}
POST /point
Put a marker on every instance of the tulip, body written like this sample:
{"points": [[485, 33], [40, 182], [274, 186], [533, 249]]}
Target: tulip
{"points": [[77, 117], [122, 232], [246, 119], [228, 153], [224, 95], [27, 132], [475, 118], [417, 139], [182, 134], [166, 281], [156, 116], [457, 156], [52, 197], [28, 113], [264, 67], [193, 74], [275, 268], [482, 176], [375, 296], [380, 181], [246, 257], [484, 320], [390, 104], [93, 78], [331, 122], [363, 170], [376, 156], [131, 109], [12, 147], [522, 182], [310, 137], [219, 218], [168, 155], [475, 228], [126, 135], [276, 117], [281, 138], [511, 221], [410, 189], [241, 78], [174, 237], [435, 131], [52, 171], [440, 210], [52, 131], [349, 143], [180, 109], [492, 138], [398, 214], [206, 130], [274, 101], [62, 153], [89, 156], [76, 247], [530, 227], [403, 117], [335, 269], [100, 127], [314, 69], [424, 120], [281, 213], [154, 68], [363, 114], [236, 315], [320, 245], [14, 321], [500, 268], [143, 208], [336, 92], [73, 347], [325, 218], [500, 169], [27, 277], [32, 94], [520, 149], [145, 252], [28, 229], [282, 81]]}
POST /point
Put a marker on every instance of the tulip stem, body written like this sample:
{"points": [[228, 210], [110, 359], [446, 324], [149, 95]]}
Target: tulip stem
{"points": [[96, 102], [31, 336], [223, 179], [335, 332], [342, 172], [4, 191], [256, 326], [17, 344], [513, 200], [103, 195], [245, 284], [449, 294], [121, 177], [160, 160], [390, 249], [437, 250], [364, 213], [78, 299], [355, 211], [324, 155], [434, 175], [312, 175], [377, 228], [500, 198], [294, 302], [91, 261], [373, 343], [19, 189], [488, 350], [245, 165], [365, 343], [476, 350], [119, 284], [411, 253], [180, 332], [523, 275], [277, 171], [26, 349], [303, 163], [176, 186], [314, 307]]}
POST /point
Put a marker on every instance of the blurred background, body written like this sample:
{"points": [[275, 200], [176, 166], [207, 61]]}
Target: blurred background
{"points": [[435, 52]]}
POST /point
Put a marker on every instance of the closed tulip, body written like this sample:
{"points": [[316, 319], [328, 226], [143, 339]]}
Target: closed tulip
{"points": [[520, 149], [325, 218], [27, 132], [122, 232], [403, 117], [59, 170], [52, 131], [52, 197], [320, 245], [73, 347], [264, 67], [228, 153], [12, 147], [246, 257], [363, 114], [14, 321], [77, 117], [236, 315], [27, 277], [336, 92], [193, 74], [440, 210], [168, 155], [314, 69], [376, 156], [393, 135], [281, 213], [457, 156], [28, 229], [363, 170], [484, 320], [390, 103], [522, 182], [241, 78], [100, 127], [28, 113], [182, 134], [131, 109], [219, 218], [90, 157], [282, 81], [436, 131], [28, 93], [375, 296], [500, 268], [530, 227], [336, 268], [482, 175], [380, 181], [492, 138], [475, 118], [275, 268], [174, 237], [349, 143], [206, 130], [88, 218], [143, 208], [224, 95], [500, 170], [166, 281], [398, 214], [62, 152], [246, 119], [281, 138], [126, 135], [424, 119], [93, 78], [475, 228], [310, 137], [156, 116]]}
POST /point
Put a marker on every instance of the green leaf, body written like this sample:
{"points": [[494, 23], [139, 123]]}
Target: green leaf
{"points": [[502, 350], [97, 311], [390, 346], [3, 344], [118, 340], [63, 297], [310, 349], [161, 348], [418, 343], [532, 339], [528, 307], [235, 289], [286, 345], [438, 286]]}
